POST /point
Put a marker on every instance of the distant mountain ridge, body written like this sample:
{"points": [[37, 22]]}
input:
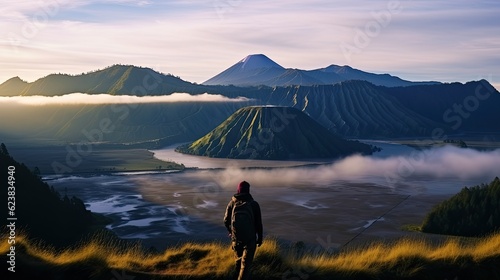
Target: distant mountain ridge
{"points": [[116, 79], [252, 71], [264, 71], [352, 109]]}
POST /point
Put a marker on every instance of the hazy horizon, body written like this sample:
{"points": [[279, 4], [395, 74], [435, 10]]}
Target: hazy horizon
{"points": [[449, 41]]}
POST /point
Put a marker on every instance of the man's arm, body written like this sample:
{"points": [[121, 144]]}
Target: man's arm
{"points": [[227, 216], [258, 222]]}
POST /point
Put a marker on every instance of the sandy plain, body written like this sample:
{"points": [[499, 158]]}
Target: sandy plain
{"points": [[299, 203]]}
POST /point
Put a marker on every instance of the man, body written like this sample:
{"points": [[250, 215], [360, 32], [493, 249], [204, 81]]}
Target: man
{"points": [[244, 223]]}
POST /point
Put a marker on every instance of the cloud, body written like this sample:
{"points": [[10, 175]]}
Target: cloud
{"points": [[445, 164], [82, 98]]}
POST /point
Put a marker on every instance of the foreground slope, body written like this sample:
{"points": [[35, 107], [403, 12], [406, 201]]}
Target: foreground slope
{"points": [[41, 212], [405, 259], [272, 132]]}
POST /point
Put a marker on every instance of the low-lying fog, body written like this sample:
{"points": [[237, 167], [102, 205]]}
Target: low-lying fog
{"points": [[332, 201], [396, 164], [84, 98]]}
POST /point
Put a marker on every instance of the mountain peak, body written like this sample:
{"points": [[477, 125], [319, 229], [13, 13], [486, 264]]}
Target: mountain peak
{"points": [[258, 69], [255, 61], [12, 86], [15, 79], [337, 69], [300, 137], [254, 69]]}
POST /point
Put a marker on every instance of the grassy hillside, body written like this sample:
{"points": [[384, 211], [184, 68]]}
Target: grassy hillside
{"points": [[272, 132], [404, 259]]}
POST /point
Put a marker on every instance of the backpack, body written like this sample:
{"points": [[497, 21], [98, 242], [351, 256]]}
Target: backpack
{"points": [[243, 222]]}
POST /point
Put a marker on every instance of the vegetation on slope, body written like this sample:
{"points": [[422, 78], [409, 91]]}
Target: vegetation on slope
{"points": [[41, 211], [473, 211], [272, 132]]}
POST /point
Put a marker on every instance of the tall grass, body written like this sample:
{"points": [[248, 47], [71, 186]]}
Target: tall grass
{"points": [[406, 258]]}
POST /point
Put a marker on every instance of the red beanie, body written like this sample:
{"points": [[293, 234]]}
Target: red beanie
{"points": [[244, 187]]}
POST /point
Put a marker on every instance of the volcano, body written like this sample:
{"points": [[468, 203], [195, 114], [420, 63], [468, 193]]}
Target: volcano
{"points": [[273, 133], [253, 69], [258, 69]]}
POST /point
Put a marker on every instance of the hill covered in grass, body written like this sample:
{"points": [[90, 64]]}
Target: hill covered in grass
{"points": [[403, 259], [273, 132]]}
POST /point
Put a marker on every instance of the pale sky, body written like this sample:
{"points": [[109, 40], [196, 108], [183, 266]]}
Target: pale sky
{"points": [[445, 41]]}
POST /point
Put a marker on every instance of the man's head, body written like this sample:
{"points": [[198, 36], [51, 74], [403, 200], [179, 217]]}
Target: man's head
{"points": [[243, 187]]}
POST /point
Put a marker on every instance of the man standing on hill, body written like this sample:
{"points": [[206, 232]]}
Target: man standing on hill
{"points": [[243, 220]]}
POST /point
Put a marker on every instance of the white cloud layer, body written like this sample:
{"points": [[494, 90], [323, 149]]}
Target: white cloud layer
{"points": [[448, 165], [82, 98]]}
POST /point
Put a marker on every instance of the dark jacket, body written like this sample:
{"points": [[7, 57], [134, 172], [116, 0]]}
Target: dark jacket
{"points": [[256, 213]]}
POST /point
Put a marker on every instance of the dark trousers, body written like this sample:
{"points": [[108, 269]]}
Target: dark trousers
{"points": [[244, 254]]}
